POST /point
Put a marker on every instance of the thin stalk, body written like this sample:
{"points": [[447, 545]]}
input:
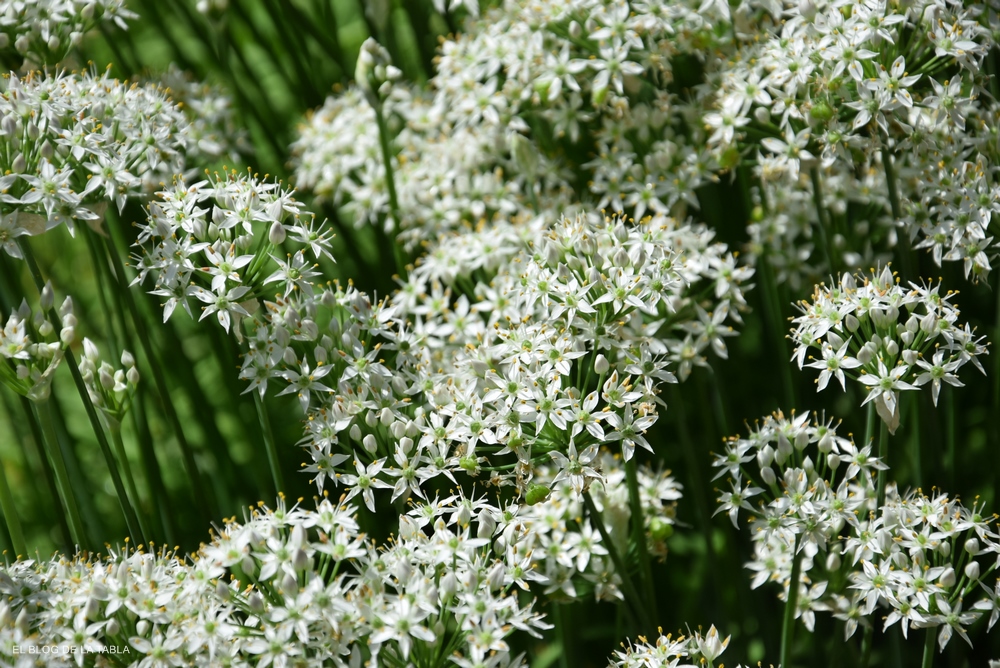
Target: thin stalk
{"points": [[54, 453], [883, 453], [95, 422], [635, 608], [50, 479], [269, 445], [639, 535], [560, 624], [116, 438], [173, 419], [390, 182], [788, 623], [929, 639], [11, 516], [906, 253], [866, 646], [949, 452], [773, 312], [821, 225]]}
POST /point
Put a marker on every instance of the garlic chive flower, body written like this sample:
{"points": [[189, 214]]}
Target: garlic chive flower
{"points": [[31, 350], [111, 390], [887, 337], [75, 143], [288, 584], [214, 240], [43, 32]]}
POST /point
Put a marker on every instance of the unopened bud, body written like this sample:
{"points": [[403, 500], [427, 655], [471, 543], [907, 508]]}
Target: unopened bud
{"points": [[601, 364], [276, 235], [972, 570], [370, 444], [947, 579]]}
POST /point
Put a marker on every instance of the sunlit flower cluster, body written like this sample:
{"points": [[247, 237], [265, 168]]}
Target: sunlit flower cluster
{"points": [[288, 586], [73, 143], [887, 337], [42, 32], [921, 558]]}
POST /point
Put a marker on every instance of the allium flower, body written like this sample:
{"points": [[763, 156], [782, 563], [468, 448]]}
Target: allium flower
{"points": [[882, 332], [31, 350]]}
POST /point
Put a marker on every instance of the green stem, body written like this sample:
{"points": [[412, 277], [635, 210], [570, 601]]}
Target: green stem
{"points": [[949, 453], [81, 387], [390, 182], [46, 465], [269, 445], [788, 623], [54, 453], [883, 453], [906, 253], [821, 225], [639, 535], [560, 624], [11, 516], [636, 608], [187, 452], [773, 312], [116, 438], [928, 659]]}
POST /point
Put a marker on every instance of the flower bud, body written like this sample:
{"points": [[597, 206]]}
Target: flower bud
{"points": [[487, 525], [768, 476], [463, 515], [947, 579], [892, 348], [222, 591], [972, 546], [851, 322], [113, 628], [944, 547], [355, 432], [575, 30], [765, 456], [127, 359], [601, 364], [256, 603], [141, 627], [398, 430], [972, 570], [370, 444], [93, 608], [386, 417], [833, 461], [276, 235], [496, 576], [18, 166], [833, 562], [448, 586]]}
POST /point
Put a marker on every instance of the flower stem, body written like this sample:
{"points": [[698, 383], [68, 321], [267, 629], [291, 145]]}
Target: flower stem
{"points": [[390, 183], [906, 253], [54, 453], [560, 624], [928, 659], [821, 225], [10, 515], [102, 440], [788, 623], [269, 445], [50, 479], [639, 535], [772, 310], [636, 608], [187, 452], [883, 453], [116, 438]]}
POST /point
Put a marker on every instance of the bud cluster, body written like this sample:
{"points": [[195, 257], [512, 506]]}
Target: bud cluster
{"points": [[30, 348]]}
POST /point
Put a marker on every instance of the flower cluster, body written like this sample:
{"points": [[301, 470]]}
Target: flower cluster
{"points": [[213, 132], [42, 32], [564, 350], [882, 334], [30, 348], [215, 240], [72, 143], [920, 557], [287, 587], [666, 651], [826, 101], [571, 559], [110, 389]]}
